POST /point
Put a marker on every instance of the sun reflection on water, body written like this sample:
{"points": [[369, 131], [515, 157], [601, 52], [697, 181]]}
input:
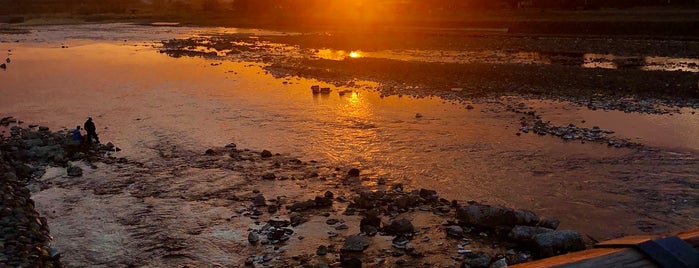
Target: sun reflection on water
{"points": [[331, 54]]}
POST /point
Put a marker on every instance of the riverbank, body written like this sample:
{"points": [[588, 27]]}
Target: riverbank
{"points": [[651, 22]]}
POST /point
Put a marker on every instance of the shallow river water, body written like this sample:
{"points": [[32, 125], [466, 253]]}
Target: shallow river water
{"points": [[141, 99]]}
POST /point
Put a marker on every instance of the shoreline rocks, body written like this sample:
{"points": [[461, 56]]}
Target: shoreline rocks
{"points": [[25, 237]]}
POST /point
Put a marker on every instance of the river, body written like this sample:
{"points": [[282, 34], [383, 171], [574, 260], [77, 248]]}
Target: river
{"points": [[141, 99]]}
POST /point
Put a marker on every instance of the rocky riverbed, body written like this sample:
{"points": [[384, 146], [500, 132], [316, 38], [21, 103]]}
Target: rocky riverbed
{"points": [[267, 209]]}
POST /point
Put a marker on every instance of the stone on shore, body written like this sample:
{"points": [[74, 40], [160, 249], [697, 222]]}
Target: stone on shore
{"points": [[526, 233], [397, 227], [351, 252], [455, 231], [266, 154], [353, 172], [494, 216], [355, 243], [550, 222], [477, 260], [556, 243], [259, 201], [74, 171]]}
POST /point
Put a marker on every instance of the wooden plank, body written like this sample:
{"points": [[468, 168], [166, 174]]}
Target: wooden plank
{"points": [[625, 241], [592, 258], [570, 257], [691, 237], [618, 252], [627, 258]]}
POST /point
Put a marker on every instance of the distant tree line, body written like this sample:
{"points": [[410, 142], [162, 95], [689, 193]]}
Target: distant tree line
{"points": [[306, 7], [67, 6], [424, 5]]}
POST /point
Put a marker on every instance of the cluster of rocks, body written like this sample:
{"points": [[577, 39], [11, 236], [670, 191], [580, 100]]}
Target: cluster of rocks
{"points": [[524, 229], [7, 60], [24, 235], [6, 121], [274, 232], [630, 105], [316, 89], [532, 122], [24, 153], [522, 234], [30, 149], [573, 132]]}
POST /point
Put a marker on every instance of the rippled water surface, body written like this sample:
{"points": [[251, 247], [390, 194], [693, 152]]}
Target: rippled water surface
{"points": [[140, 98]]}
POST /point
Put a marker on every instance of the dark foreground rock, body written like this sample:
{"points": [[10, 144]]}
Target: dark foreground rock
{"points": [[25, 238], [558, 242], [493, 216]]}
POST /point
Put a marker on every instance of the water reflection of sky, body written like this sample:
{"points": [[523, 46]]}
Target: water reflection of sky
{"points": [[585, 60]]}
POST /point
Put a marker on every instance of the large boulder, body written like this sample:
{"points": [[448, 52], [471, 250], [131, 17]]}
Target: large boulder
{"points": [[370, 223], [485, 216], [522, 233], [557, 242], [494, 216], [550, 222], [477, 260], [351, 252], [355, 243], [397, 227], [429, 195], [526, 217]]}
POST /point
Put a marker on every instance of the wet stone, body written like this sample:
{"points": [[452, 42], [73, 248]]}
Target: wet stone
{"points": [[480, 261], [455, 231], [500, 263], [550, 222], [400, 242], [526, 233], [266, 154], [259, 201], [401, 226], [370, 230], [557, 242], [322, 250], [74, 171], [296, 219], [429, 195], [253, 237], [353, 172], [279, 222], [355, 243]]}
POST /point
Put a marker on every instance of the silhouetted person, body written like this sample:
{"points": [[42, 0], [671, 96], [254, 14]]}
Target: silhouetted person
{"points": [[77, 136], [90, 128]]}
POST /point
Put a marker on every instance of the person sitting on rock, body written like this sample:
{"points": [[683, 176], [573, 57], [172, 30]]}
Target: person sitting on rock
{"points": [[77, 136], [90, 128]]}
